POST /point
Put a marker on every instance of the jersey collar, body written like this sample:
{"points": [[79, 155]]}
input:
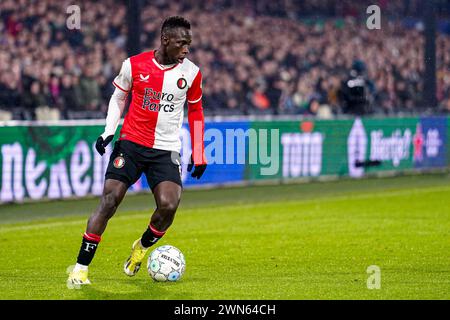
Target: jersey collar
{"points": [[160, 66]]}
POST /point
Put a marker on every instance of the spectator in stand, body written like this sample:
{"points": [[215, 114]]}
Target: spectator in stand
{"points": [[90, 89], [54, 91], [35, 97], [444, 107], [70, 94], [313, 107]]}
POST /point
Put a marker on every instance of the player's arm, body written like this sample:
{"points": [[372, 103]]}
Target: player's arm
{"points": [[196, 127], [116, 106]]}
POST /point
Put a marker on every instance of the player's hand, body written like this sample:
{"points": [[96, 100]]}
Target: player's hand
{"points": [[198, 171], [101, 144]]}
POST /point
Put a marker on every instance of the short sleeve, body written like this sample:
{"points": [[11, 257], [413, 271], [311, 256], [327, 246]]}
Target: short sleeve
{"points": [[123, 81], [194, 93]]}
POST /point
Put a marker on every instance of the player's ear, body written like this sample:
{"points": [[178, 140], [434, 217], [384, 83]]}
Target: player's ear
{"points": [[164, 39]]}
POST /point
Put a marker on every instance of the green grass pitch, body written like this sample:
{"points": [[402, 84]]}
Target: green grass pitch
{"points": [[304, 241]]}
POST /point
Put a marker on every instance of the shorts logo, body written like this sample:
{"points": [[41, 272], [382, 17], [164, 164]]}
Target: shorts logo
{"points": [[181, 83], [119, 162]]}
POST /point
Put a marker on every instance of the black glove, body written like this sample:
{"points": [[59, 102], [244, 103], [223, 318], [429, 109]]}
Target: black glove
{"points": [[101, 144], [198, 171]]}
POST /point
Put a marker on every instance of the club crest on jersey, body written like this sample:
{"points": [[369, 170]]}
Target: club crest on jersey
{"points": [[119, 162], [181, 83]]}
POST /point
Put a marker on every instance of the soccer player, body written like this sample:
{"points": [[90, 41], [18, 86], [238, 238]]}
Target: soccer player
{"points": [[160, 81]]}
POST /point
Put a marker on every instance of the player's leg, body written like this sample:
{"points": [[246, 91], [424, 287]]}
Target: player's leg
{"points": [[123, 170], [167, 197], [113, 194]]}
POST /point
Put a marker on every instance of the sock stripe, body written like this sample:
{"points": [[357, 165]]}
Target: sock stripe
{"points": [[156, 232], [92, 237]]}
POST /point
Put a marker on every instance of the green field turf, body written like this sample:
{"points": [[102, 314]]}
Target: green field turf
{"points": [[306, 241]]}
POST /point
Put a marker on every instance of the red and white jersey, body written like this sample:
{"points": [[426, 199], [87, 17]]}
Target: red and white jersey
{"points": [[155, 114]]}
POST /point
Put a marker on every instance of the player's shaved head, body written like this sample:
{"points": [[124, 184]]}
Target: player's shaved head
{"points": [[174, 22]]}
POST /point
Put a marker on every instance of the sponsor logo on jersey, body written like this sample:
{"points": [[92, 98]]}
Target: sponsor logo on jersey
{"points": [[119, 162], [151, 94]]}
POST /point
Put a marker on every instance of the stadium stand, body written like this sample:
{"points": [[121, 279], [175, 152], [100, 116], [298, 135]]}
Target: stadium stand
{"points": [[279, 58]]}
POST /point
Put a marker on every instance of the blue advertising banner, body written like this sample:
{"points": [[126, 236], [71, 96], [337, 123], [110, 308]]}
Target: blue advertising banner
{"points": [[429, 141], [226, 157]]}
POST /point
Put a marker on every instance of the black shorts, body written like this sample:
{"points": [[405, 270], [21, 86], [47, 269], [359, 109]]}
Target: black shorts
{"points": [[129, 160]]}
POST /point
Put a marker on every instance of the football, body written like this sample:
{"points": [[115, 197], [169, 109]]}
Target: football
{"points": [[166, 263]]}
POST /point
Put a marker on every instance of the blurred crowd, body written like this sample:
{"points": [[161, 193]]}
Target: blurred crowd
{"points": [[257, 57]]}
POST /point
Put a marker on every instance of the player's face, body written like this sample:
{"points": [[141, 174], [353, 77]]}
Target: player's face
{"points": [[177, 44]]}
